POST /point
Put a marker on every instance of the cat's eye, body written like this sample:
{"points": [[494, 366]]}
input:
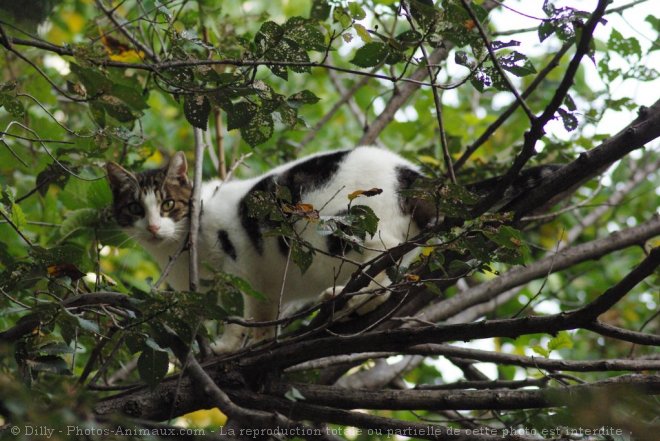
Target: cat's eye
{"points": [[135, 208], [167, 205]]}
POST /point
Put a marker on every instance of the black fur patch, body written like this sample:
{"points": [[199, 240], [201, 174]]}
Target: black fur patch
{"points": [[250, 224], [422, 211], [311, 174], [305, 176], [226, 244]]}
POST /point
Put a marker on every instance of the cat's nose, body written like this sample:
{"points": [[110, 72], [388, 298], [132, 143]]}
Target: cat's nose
{"points": [[153, 229]]}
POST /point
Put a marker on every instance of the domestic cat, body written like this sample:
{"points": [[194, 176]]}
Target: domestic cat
{"points": [[152, 206]]}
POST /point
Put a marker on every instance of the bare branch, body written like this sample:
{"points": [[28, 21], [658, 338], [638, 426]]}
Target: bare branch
{"points": [[550, 264], [536, 131], [496, 63], [195, 209], [122, 27], [392, 399]]}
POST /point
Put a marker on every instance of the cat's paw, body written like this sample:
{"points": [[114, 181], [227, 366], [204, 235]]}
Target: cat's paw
{"points": [[231, 340], [363, 304], [330, 293]]}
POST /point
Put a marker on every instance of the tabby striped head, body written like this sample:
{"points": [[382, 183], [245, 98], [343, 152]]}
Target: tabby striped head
{"points": [[152, 206]]}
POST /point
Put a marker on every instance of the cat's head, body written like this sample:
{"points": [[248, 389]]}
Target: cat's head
{"points": [[152, 206]]}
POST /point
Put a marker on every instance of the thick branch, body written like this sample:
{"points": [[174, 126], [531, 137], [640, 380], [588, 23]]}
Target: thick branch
{"points": [[541, 268], [478, 355], [398, 339], [644, 129], [394, 399]]}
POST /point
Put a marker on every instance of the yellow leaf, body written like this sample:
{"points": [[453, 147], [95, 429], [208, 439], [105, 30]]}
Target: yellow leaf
{"points": [[426, 251], [130, 56], [206, 418], [368, 193], [362, 32], [428, 160]]}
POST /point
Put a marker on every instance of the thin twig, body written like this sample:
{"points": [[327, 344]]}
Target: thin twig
{"points": [[122, 28], [496, 63]]}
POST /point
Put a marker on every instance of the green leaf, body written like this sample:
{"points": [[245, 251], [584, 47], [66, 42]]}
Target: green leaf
{"points": [[78, 219], [356, 11], [117, 109], [49, 363], [8, 86], [561, 341], [12, 105], [362, 32], [95, 82], [232, 302], [52, 174], [18, 217], [243, 285], [303, 97], [197, 108], [288, 51], [341, 15], [409, 38], [364, 218], [258, 130], [371, 54], [541, 351], [517, 63], [304, 34], [626, 47], [301, 255], [240, 115], [268, 36], [152, 365], [546, 29], [320, 10], [55, 349]]}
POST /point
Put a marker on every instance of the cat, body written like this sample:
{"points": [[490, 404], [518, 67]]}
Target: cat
{"points": [[152, 206]]}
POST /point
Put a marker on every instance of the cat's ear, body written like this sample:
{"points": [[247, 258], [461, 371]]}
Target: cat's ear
{"points": [[119, 178], [178, 167]]}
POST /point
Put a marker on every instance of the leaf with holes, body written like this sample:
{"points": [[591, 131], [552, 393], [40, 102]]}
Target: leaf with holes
{"points": [[258, 130], [240, 115], [12, 105], [568, 118], [371, 54], [197, 108], [517, 63], [305, 34], [320, 10], [502, 44]]}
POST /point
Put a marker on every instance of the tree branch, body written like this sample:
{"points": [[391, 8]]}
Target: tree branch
{"points": [[289, 354], [536, 130], [393, 399], [523, 274]]}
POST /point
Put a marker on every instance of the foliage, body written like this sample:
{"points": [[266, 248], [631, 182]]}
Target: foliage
{"points": [[87, 82]]}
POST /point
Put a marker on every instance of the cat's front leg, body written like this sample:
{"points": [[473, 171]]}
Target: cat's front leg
{"points": [[232, 339], [363, 302]]}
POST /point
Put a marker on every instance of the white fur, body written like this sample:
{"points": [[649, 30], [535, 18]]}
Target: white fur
{"points": [[270, 273]]}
